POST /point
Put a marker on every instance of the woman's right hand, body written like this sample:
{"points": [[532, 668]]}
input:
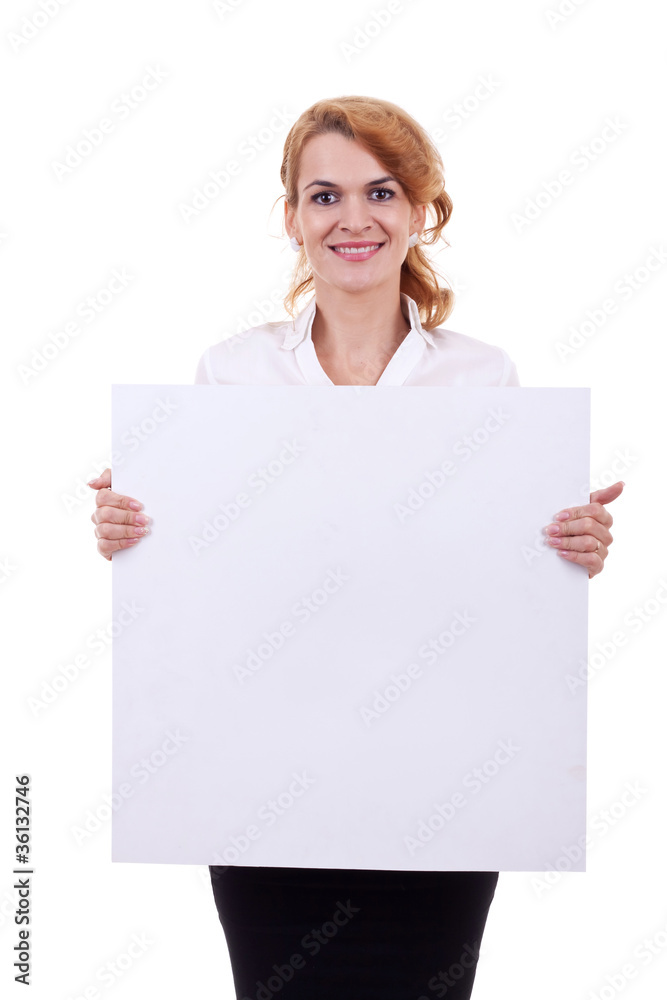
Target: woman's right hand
{"points": [[117, 523]]}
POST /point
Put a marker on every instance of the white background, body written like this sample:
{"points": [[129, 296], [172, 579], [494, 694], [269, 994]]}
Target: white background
{"points": [[553, 87]]}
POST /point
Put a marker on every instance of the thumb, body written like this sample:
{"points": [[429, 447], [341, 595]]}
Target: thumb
{"points": [[608, 494], [102, 481]]}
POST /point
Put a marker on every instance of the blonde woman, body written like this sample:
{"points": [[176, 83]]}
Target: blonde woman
{"points": [[361, 177]]}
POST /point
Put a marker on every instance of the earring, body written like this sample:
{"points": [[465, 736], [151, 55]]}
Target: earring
{"points": [[413, 239], [294, 243]]}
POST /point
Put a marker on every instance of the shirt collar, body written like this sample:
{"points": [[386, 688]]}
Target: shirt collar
{"points": [[300, 328]]}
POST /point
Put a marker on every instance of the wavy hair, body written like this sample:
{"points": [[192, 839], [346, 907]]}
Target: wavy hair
{"points": [[409, 154]]}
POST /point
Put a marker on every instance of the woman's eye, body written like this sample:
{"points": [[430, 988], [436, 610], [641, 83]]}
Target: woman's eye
{"points": [[387, 192]]}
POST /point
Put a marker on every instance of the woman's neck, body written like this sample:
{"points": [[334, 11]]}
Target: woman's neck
{"points": [[348, 325], [356, 335]]}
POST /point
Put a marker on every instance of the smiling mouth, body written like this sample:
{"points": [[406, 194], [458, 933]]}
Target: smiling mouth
{"points": [[354, 251]]}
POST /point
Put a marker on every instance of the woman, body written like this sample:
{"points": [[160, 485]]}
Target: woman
{"points": [[360, 176]]}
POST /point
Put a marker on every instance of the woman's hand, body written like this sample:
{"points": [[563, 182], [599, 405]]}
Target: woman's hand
{"points": [[117, 526], [581, 534]]}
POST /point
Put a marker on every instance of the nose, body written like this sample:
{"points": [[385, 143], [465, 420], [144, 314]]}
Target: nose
{"points": [[355, 215]]}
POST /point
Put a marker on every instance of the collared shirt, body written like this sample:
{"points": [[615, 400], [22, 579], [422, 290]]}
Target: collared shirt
{"points": [[283, 353]]}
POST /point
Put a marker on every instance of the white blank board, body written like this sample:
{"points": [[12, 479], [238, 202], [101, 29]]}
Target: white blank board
{"points": [[344, 643]]}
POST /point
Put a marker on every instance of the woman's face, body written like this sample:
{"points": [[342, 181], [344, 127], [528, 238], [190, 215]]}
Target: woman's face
{"points": [[346, 197]]}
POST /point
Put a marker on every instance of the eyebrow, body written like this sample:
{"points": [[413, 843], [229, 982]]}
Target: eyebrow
{"points": [[381, 180]]}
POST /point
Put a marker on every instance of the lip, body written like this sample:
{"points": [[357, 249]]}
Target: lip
{"points": [[360, 255]]}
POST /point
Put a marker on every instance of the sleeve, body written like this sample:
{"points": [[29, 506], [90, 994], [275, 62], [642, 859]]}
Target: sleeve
{"points": [[510, 375], [204, 374]]}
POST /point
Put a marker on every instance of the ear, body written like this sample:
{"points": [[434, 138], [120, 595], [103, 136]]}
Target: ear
{"points": [[418, 220], [289, 220]]}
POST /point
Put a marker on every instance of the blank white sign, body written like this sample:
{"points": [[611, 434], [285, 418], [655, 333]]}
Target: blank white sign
{"points": [[344, 643]]}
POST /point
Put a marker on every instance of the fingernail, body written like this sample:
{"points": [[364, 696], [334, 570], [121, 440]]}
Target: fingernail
{"points": [[562, 515], [134, 505]]}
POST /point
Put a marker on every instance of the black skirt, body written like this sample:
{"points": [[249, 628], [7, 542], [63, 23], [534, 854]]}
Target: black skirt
{"points": [[326, 934]]}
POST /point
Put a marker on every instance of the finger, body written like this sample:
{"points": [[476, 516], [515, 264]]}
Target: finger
{"points": [[581, 526], [584, 527], [107, 530], [578, 543], [118, 515], [603, 535], [104, 479], [592, 561], [106, 497], [107, 546], [595, 510], [609, 493]]}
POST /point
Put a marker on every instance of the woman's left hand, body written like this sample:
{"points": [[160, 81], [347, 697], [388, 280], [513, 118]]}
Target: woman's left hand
{"points": [[581, 534]]}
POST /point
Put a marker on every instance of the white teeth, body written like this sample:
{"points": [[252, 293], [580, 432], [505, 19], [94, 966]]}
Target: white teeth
{"points": [[356, 249]]}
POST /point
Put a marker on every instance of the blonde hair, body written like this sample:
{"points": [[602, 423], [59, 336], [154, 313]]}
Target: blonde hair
{"points": [[407, 151]]}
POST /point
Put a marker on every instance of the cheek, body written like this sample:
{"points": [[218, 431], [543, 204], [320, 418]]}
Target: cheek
{"points": [[315, 231], [397, 226]]}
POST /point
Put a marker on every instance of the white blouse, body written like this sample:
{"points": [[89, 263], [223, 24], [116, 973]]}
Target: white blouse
{"points": [[283, 353]]}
